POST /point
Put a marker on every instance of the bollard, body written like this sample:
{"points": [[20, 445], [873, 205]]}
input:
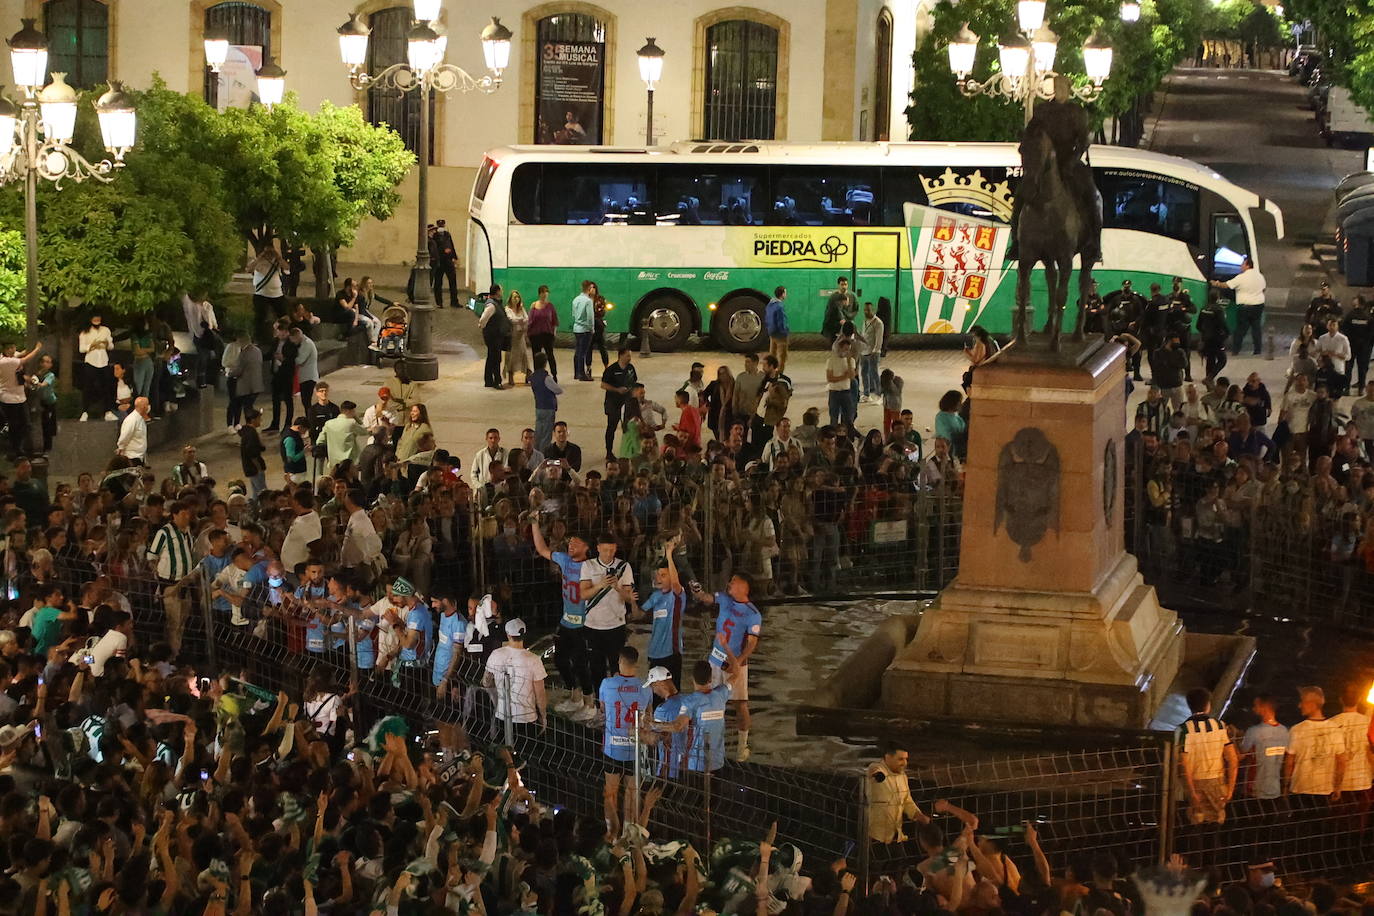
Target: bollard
{"points": [[645, 348], [1269, 345]]}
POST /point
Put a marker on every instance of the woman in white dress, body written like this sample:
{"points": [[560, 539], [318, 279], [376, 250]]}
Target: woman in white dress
{"points": [[518, 351]]}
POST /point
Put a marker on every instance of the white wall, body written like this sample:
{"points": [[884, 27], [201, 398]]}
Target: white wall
{"points": [[159, 36]]}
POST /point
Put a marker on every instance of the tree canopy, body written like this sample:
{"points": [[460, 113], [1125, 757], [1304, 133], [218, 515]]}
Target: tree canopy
{"points": [[1143, 53], [198, 183], [1345, 34]]}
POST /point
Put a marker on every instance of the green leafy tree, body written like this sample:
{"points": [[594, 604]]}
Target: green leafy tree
{"points": [[1143, 53], [159, 228], [311, 177], [12, 292]]}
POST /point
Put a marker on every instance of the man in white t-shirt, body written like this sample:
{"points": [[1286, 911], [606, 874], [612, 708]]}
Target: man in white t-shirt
{"points": [[1335, 345], [840, 372], [1294, 409], [1314, 766], [114, 644], [1249, 286], [516, 677], [1352, 728], [13, 394], [305, 530], [133, 432], [608, 592]]}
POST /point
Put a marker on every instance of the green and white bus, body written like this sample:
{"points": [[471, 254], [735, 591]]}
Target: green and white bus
{"points": [[692, 238]]}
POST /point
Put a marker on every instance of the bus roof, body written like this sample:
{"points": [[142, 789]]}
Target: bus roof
{"points": [[890, 153]]}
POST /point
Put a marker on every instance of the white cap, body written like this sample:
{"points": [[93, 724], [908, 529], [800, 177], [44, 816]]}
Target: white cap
{"points": [[658, 673], [515, 627]]}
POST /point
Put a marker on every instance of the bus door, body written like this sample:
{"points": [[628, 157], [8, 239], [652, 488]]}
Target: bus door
{"points": [[877, 270]]}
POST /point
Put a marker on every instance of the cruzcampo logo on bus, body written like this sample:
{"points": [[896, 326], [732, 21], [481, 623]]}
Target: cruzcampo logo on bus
{"points": [[801, 247]]}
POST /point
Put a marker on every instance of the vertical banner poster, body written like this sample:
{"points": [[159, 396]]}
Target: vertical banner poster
{"points": [[568, 97], [238, 77]]}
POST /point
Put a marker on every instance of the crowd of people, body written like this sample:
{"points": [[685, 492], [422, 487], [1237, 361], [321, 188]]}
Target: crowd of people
{"points": [[1227, 474], [133, 778]]}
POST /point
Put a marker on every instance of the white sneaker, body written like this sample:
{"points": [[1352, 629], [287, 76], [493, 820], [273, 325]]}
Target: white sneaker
{"points": [[238, 619], [570, 705], [84, 416], [110, 415], [743, 753], [587, 714]]}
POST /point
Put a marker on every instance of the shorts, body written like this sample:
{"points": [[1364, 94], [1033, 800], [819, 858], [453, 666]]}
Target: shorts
{"points": [[1210, 807], [737, 678], [612, 767]]}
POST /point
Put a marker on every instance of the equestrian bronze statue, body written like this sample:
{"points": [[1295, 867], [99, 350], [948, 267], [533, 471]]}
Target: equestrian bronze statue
{"points": [[1058, 212]]}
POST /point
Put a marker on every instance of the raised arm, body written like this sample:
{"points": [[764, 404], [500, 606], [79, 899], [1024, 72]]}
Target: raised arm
{"points": [[541, 546], [670, 545]]}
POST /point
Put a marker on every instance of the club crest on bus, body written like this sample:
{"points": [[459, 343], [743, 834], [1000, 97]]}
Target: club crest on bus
{"points": [[961, 258]]}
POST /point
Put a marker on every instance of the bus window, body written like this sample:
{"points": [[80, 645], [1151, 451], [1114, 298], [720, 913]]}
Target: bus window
{"points": [[901, 185], [1229, 246], [484, 175], [810, 196], [1148, 203], [691, 196], [524, 193], [577, 194]]}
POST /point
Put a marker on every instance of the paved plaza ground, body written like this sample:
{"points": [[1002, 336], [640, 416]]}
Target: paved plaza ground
{"points": [[461, 409]]}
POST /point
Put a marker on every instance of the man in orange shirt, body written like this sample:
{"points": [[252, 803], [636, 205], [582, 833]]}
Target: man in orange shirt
{"points": [[688, 428]]}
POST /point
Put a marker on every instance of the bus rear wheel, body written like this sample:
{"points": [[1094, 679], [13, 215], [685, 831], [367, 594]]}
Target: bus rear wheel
{"points": [[670, 323], [739, 324]]}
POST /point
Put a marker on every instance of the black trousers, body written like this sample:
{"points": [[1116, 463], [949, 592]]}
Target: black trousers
{"points": [[612, 424], [96, 384], [16, 425], [281, 395], [1357, 369], [439, 272], [491, 372], [543, 343], [307, 392], [49, 425], [570, 655], [603, 649]]}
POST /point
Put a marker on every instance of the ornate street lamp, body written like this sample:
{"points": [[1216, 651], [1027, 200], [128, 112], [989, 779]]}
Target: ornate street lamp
{"points": [[34, 138], [425, 72], [271, 82], [1026, 59], [216, 48], [650, 71], [1130, 11]]}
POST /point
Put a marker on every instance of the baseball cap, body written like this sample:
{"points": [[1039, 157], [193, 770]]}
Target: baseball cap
{"points": [[515, 627], [656, 674]]}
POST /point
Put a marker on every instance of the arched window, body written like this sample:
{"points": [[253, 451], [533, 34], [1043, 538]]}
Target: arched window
{"points": [[248, 26], [398, 110], [78, 40], [882, 76], [741, 98], [570, 79]]}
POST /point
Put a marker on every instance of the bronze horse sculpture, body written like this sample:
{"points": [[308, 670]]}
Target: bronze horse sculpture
{"points": [[1059, 215]]}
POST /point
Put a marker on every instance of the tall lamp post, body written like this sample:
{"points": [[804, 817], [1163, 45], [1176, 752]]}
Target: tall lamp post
{"points": [[424, 71], [33, 144], [651, 71], [1026, 61], [34, 136]]}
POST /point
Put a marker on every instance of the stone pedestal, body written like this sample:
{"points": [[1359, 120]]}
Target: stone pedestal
{"points": [[1048, 620]]}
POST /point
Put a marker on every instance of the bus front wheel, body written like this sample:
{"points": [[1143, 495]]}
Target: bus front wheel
{"points": [[669, 320], [739, 324]]}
